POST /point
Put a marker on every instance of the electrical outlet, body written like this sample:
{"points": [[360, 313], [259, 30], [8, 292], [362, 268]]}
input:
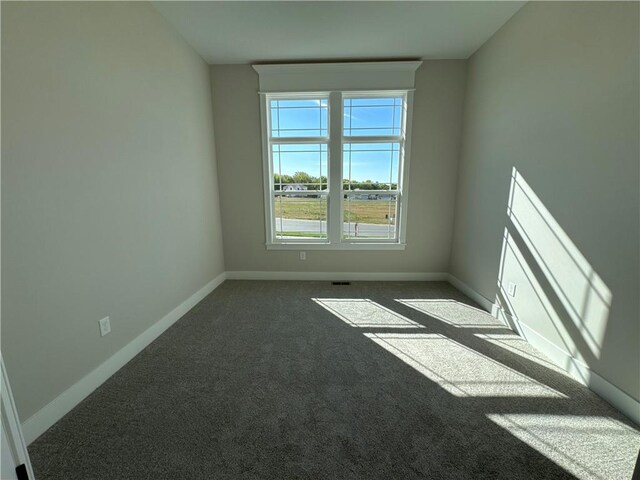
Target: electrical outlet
{"points": [[511, 289], [105, 326], [303, 255]]}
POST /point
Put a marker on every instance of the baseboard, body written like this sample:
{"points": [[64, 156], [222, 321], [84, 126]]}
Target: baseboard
{"points": [[574, 367], [563, 359], [339, 276], [42, 420], [470, 292], [582, 373], [616, 397]]}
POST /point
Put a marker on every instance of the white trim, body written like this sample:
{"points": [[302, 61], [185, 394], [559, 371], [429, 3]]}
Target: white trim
{"points": [[574, 367], [334, 82], [296, 140], [578, 370], [616, 397], [323, 245], [267, 174], [484, 302], [335, 151], [403, 176], [43, 419], [267, 154], [352, 193], [339, 276], [337, 76], [401, 192], [339, 90], [334, 169], [582, 373], [11, 424]]}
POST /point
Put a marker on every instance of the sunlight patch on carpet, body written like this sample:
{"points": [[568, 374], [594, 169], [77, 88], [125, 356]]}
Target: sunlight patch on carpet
{"points": [[458, 369], [589, 447], [365, 313]]}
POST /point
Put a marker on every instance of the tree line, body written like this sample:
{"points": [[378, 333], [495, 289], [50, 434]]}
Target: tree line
{"points": [[313, 183]]}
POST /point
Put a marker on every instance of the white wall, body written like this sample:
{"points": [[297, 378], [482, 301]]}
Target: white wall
{"points": [[555, 94], [109, 188], [434, 156]]}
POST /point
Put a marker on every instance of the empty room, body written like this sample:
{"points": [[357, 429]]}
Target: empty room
{"points": [[320, 240]]}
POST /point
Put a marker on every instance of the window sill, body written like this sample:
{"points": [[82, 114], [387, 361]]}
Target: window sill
{"points": [[335, 246]]}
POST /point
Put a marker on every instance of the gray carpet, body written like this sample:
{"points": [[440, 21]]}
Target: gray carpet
{"points": [[305, 380]]}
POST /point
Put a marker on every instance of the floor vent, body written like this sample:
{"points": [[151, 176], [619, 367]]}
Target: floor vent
{"points": [[340, 283]]}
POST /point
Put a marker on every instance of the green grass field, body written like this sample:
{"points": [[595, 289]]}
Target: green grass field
{"points": [[362, 211]]}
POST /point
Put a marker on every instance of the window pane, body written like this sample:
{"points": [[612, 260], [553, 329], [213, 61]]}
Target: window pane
{"points": [[370, 216], [300, 216], [370, 166], [372, 116], [298, 167], [299, 118]]}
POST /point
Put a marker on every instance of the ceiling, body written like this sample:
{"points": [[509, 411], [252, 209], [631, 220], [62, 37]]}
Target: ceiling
{"points": [[248, 32]]}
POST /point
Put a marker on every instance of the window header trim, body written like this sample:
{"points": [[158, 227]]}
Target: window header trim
{"points": [[353, 76]]}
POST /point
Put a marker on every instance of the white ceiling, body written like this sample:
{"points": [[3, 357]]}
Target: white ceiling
{"points": [[247, 32]]}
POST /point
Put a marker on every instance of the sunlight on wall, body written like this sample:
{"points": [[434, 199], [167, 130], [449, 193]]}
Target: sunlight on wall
{"points": [[458, 369], [454, 313], [612, 446], [363, 313], [558, 294], [533, 307]]}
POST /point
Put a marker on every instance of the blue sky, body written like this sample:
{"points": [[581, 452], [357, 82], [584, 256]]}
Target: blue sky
{"points": [[370, 116]]}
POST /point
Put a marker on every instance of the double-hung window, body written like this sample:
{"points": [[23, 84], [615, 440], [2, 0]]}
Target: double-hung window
{"points": [[372, 158], [336, 164], [298, 160]]}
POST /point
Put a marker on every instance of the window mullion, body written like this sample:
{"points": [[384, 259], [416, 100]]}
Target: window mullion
{"points": [[334, 230]]}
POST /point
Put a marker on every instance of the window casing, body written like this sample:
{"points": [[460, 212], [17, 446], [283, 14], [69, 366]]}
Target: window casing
{"points": [[332, 180], [380, 146], [298, 143], [330, 207]]}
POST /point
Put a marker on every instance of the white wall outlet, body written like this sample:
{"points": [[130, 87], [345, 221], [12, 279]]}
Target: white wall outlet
{"points": [[511, 289], [105, 326], [303, 255]]}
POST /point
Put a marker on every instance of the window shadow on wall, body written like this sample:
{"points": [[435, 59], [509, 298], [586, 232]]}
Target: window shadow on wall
{"points": [[559, 295]]}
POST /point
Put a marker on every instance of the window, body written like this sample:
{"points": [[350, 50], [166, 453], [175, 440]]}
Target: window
{"points": [[372, 145], [298, 140], [336, 166]]}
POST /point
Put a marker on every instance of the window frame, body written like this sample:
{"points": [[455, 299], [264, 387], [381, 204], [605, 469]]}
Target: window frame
{"points": [[335, 141], [267, 144], [372, 139]]}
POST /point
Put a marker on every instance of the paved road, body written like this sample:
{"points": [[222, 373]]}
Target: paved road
{"points": [[314, 226]]}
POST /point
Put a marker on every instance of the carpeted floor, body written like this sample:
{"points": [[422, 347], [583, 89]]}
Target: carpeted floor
{"points": [[305, 380]]}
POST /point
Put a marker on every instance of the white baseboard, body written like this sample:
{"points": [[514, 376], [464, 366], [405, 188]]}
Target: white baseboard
{"points": [[574, 367], [582, 373], [42, 420], [616, 397], [339, 276], [559, 356], [470, 292]]}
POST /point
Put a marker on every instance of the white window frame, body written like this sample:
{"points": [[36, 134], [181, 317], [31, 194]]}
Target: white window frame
{"points": [[400, 192], [267, 143], [336, 81]]}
